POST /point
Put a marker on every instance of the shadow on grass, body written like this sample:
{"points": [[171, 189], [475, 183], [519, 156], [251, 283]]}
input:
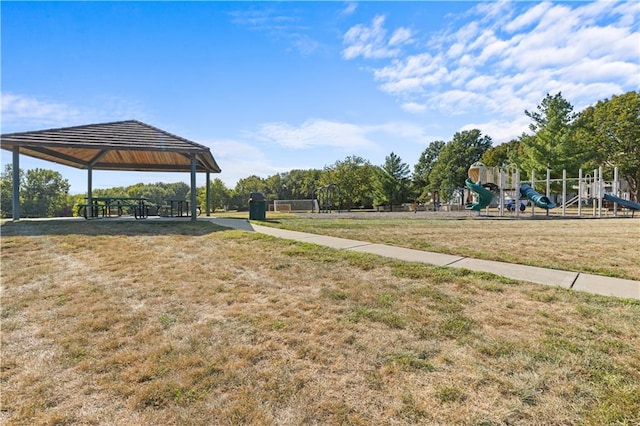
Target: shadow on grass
{"points": [[108, 227]]}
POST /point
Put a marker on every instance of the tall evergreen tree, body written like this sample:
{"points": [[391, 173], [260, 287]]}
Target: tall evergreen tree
{"points": [[392, 186], [553, 144]]}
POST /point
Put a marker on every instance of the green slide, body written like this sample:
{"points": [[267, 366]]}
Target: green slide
{"points": [[538, 199], [484, 196], [625, 203]]}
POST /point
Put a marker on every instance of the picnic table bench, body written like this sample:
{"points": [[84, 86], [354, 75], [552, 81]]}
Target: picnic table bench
{"points": [[176, 207], [110, 206]]}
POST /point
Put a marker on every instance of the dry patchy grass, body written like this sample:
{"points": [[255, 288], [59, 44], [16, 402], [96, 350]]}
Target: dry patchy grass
{"points": [[179, 323], [605, 246]]}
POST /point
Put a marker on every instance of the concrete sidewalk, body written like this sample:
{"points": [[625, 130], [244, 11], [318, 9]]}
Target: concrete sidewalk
{"points": [[595, 284]]}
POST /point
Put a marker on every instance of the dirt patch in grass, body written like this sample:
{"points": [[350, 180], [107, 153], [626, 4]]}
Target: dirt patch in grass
{"points": [[597, 246], [190, 324]]}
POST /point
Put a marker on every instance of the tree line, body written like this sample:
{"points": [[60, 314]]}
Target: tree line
{"points": [[607, 134]]}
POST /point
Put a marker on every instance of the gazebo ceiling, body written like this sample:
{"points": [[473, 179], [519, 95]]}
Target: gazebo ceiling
{"points": [[124, 145]]}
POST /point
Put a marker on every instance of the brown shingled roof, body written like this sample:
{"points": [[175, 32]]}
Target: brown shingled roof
{"points": [[124, 145]]}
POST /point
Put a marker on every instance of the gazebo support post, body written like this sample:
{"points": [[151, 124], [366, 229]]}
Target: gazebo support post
{"points": [[193, 188], [89, 191], [16, 183], [208, 192]]}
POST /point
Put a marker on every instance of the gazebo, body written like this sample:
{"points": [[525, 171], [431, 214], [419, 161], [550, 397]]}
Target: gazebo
{"points": [[124, 145]]}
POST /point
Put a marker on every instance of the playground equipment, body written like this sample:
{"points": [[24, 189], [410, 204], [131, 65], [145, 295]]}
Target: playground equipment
{"points": [[478, 172], [485, 196], [591, 190], [539, 200], [326, 196], [625, 203]]}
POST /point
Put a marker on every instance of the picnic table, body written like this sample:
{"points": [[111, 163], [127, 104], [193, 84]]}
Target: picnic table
{"points": [[110, 206], [176, 207]]}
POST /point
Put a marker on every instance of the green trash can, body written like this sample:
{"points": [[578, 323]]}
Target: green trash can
{"points": [[257, 206]]}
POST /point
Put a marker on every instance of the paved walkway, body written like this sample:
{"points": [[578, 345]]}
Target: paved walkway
{"points": [[596, 284]]}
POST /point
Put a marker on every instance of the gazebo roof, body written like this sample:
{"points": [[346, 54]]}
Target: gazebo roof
{"points": [[124, 145]]}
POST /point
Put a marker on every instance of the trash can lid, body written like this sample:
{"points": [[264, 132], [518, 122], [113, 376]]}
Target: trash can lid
{"points": [[257, 196]]}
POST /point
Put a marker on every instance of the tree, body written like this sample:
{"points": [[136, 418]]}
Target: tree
{"points": [[509, 153], [243, 189], [300, 184], [553, 144], [450, 169], [611, 129], [422, 170], [6, 190], [392, 183], [354, 177], [218, 192], [275, 189], [45, 193]]}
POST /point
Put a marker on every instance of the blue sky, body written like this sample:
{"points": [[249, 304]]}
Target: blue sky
{"points": [[275, 86]]}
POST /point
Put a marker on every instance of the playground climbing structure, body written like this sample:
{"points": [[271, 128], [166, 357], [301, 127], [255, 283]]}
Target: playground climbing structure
{"points": [[588, 190]]}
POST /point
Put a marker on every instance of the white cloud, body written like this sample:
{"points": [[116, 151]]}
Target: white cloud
{"points": [[481, 82], [412, 74], [528, 18], [24, 112], [371, 41], [314, 133], [414, 107], [279, 25], [22, 109], [279, 145], [399, 130], [505, 57], [400, 36], [500, 130], [238, 160], [350, 8]]}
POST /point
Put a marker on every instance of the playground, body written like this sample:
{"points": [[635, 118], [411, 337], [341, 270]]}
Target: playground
{"points": [[505, 189]]}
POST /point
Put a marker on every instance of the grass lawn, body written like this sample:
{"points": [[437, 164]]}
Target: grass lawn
{"points": [[598, 246], [108, 322]]}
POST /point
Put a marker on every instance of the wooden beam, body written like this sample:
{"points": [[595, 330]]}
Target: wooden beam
{"points": [[56, 154], [97, 158]]}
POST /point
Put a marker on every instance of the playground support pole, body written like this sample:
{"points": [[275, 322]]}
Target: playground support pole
{"points": [[503, 182], [516, 185], [533, 186], [564, 192], [548, 188], [616, 190], [579, 192], [594, 191], [600, 191]]}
